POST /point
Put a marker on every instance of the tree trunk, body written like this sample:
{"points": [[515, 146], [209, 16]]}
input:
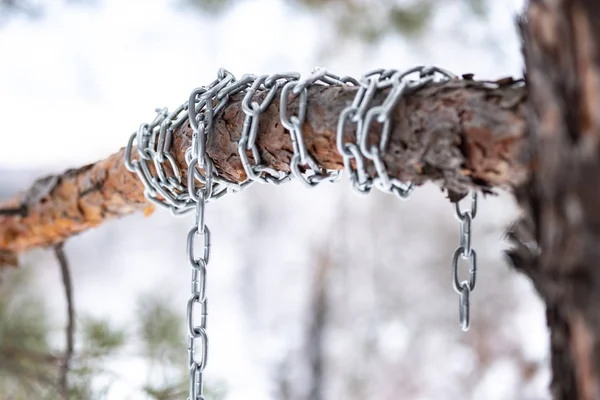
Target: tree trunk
{"points": [[558, 241]]}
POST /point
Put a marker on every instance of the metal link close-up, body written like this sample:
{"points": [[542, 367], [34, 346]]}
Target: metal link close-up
{"points": [[166, 189], [197, 336], [466, 252]]}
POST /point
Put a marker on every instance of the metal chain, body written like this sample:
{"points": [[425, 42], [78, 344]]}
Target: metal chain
{"points": [[363, 114], [313, 174], [153, 140], [466, 252], [197, 332], [255, 171], [162, 178], [205, 98]]}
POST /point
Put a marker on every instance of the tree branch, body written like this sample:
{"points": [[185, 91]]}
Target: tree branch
{"points": [[70, 330], [461, 133]]}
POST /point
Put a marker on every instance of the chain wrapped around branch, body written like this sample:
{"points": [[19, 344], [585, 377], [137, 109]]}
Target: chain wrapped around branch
{"points": [[163, 183], [460, 133]]}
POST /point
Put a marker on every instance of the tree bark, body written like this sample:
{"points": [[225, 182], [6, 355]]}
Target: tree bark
{"points": [[557, 243], [461, 134]]}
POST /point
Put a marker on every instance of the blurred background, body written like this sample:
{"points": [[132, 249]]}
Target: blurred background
{"points": [[314, 294]]}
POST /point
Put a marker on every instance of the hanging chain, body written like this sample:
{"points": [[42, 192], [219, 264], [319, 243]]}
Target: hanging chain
{"points": [[163, 180], [197, 336], [466, 252], [206, 99]]}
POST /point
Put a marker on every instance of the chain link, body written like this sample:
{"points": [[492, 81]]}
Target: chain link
{"points": [[363, 114], [253, 108], [466, 252], [153, 143], [301, 159], [197, 336], [162, 178]]}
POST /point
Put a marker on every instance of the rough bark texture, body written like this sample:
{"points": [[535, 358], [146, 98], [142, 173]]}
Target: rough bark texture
{"points": [[558, 240], [462, 134]]}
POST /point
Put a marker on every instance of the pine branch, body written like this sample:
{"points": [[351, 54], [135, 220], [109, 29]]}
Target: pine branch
{"points": [[70, 330], [460, 133]]}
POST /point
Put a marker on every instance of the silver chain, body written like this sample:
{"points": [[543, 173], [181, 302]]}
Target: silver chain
{"points": [[153, 144], [255, 171], [313, 174], [153, 140], [363, 114], [165, 188], [197, 332], [466, 252]]}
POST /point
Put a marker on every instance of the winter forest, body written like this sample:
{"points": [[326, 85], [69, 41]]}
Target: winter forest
{"points": [[315, 293]]}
